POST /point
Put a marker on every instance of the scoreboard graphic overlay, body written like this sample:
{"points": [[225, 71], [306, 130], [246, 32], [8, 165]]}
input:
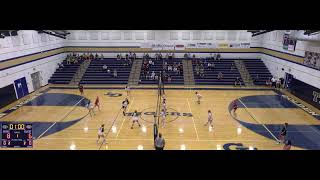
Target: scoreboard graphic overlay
{"points": [[16, 135]]}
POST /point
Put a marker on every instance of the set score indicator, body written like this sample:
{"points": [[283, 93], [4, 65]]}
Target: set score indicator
{"points": [[15, 135]]}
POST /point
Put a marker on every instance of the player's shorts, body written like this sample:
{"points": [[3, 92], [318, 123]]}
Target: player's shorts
{"points": [[135, 119], [100, 134]]}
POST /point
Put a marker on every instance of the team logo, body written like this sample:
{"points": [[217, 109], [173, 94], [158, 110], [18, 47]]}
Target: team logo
{"points": [[236, 146], [149, 114], [111, 94]]}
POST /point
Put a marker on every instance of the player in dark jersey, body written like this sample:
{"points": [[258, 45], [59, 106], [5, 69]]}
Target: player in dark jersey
{"points": [[80, 89], [125, 104], [97, 103], [101, 134], [234, 106], [283, 133], [287, 145]]}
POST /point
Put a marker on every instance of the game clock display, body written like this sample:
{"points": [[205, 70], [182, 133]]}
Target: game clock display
{"points": [[16, 135]]}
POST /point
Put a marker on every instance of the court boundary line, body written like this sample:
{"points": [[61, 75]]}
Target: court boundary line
{"points": [[74, 106], [124, 119], [194, 124], [258, 121]]}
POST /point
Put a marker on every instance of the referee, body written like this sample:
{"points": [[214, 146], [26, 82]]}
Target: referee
{"points": [[159, 142]]}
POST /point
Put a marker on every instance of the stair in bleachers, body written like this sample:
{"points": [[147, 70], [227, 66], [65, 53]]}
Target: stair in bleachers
{"points": [[257, 67], [176, 79], [211, 75], [188, 72], [135, 72], [245, 75], [64, 75], [96, 75]]}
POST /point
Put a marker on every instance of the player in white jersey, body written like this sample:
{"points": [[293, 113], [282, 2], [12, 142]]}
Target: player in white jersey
{"points": [[135, 119], [101, 134], [127, 89], [198, 97], [210, 118], [163, 117], [125, 104], [90, 107]]}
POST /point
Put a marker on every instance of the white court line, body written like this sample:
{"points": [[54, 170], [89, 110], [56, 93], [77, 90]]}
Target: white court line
{"points": [[259, 121], [61, 119], [194, 124], [124, 118]]}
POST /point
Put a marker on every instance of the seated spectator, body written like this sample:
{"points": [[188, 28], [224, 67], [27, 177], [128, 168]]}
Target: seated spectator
{"points": [[102, 57], [60, 65], [130, 56], [169, 68], [169, 78], [156, 57], [232, 67], [185, 55], [237, 81], [150, 62], [197, 69], [218, 57], [273, 82], [256, 78], [118, 57], [96, 57], [153, 74], [268, 83], [175, 69], [202, 72], [127, 56], [220, 75], [214, 56], [115, 73], [194, 57], [160, 56], [105, 67]]}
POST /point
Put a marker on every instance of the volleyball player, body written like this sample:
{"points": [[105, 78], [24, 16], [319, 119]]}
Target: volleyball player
{"points": [[210, 118], [198, 97], [81, 89], [101, 134], [163, 119], [90, 108], [283, 133], [125, 104], [97, 103], [127, 89], [287, 145], [234, 106], [135, 119], [164, 105]]}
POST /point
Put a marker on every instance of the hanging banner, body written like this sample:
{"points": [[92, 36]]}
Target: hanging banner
{"points": [[180, 47], [201, 45], [235, 45], [288, 43]]}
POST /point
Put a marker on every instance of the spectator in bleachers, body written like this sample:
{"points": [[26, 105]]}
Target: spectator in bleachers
{"points": [[256, 78], [197, 69], [97, 56], [218, 56], [150, 62], [169, 78], [118, 57], [209, 65], [173, 56], [237, 81], [105, 68], [268, 82], [115, 73], [220, 75], [130, 56], [160, 56], [91, 56], [185, 55], [153, 74], [232, 67], [101, 56], [281, 82], [201, 71], [134, 56], [194, 57], [175, 69], [273, 82], [60, 65], [156, 56], [127, 56], [211, 57], [278, 83]]}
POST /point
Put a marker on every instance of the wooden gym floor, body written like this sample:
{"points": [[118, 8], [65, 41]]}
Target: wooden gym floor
{"points": [[253, 126]]}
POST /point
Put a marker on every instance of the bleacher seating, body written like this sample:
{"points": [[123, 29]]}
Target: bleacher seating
{"points": [[157, 67], [211, 76], [96, 75], [64, 75], [256, 66]]}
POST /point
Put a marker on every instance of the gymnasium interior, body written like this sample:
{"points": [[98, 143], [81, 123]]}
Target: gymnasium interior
{"points": [[272, 76]]}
